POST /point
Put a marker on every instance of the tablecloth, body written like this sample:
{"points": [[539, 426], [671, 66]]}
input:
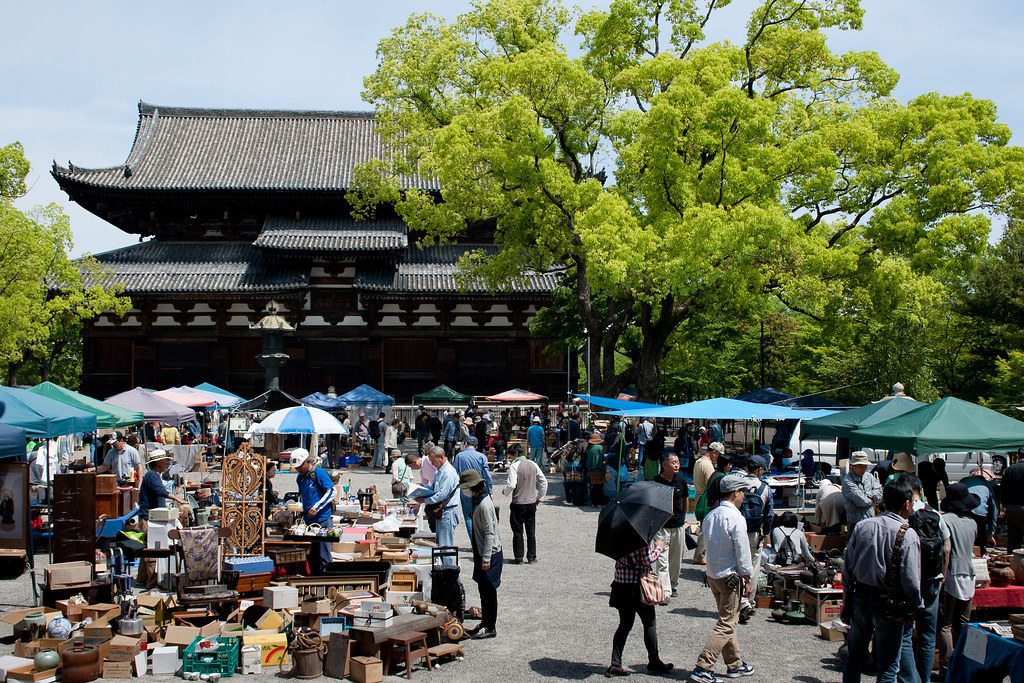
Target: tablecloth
{"points": [[983, 657], [1006, 596]]}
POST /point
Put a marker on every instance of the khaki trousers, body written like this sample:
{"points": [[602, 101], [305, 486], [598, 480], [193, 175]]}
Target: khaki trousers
{"points": [[724, 640], [698, 553], [667, 564]]}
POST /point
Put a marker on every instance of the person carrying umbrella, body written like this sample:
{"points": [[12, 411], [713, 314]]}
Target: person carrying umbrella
{"points": [[625, 530]]}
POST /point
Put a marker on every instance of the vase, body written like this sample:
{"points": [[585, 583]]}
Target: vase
{"points": [[33, 626], [1017, 565], [46, 660], [81, 663], [1000, 574]]}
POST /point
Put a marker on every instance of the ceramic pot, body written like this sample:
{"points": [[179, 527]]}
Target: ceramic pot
{"points": [[1000, 574], [81, 663], [33, 626], [46, 660], [796, 613], [778, 614], [1017, 565]]}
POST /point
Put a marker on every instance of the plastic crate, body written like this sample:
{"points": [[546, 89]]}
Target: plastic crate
{"points": [[222, 661]]}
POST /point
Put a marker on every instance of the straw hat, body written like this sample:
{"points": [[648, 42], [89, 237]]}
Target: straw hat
{"points": [[159, 454], [595, 439], [904, 463]]}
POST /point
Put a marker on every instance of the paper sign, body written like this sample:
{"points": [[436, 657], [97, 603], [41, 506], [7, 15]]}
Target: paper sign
{"points": [[976, 644]]}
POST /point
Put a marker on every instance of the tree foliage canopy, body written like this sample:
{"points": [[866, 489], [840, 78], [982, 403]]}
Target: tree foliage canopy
{"points": [[675, 179], [44, 295]]}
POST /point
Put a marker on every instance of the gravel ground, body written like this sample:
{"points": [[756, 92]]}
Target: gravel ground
{"points": [[554, 621]]}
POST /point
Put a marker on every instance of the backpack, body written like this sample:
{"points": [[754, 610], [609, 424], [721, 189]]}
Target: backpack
{"points": [[375, 430], [705, 504], [752, 508], [926, 523], [786, 554]]}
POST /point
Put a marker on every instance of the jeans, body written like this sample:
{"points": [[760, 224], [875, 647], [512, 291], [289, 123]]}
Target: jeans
{"points": [[320, 553], [467, 514], [537, 455], [378, 453], [927, 624], [446, 529], [520, 517], [868, 619], [908, 666]]}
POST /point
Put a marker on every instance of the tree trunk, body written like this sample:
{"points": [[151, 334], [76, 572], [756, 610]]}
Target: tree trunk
{"points": [[12, 373]]}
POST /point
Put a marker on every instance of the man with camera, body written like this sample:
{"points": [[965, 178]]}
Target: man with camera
{"points": [[882, 584]]}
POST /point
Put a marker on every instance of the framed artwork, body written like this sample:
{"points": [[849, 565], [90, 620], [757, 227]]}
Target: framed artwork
{"points": [[14, 519]]}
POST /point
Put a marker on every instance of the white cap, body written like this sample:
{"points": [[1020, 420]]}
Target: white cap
{"points": [[299, 456]]}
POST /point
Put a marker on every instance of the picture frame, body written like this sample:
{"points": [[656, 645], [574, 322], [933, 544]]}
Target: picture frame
{"points": [[329, 586], [14, 505]]}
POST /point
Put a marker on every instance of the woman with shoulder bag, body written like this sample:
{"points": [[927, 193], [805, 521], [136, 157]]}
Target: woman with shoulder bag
{"points": [[627, 597], [401, 474]]}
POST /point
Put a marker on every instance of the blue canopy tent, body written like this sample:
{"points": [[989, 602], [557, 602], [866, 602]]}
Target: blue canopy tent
{"points": [[41, 416], [616, 403], [322, 401], [12, 440], [722, 409], [365, 395]]}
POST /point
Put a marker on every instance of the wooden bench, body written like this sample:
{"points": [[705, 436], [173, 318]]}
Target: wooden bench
{"points": [[452, 649], [411, 645]]}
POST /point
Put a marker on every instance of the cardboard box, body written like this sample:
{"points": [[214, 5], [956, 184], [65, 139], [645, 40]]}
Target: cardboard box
{"points": [[102, 610], [68, 574], [15, 617], [98, 629], [320, 606], [833, 634], [366, 670], [180, 636], [345, 547], [164, 660], [163, 515], [274, 647], [124, 648], [270, 621], [821, 607], [29, 673], [280, 597], [118, 669], [71, 610], [403, 597], [27, 650], [820, 542]]}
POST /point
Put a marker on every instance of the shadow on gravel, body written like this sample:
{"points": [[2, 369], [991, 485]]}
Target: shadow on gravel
{"points": [[603, 594], [694, 612], [564, 669]]}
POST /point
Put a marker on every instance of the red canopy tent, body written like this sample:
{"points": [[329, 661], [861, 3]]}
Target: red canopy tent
{"points": [[520, 395], [186, 397]]}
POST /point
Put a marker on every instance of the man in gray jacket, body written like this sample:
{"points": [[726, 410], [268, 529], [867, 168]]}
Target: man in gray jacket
{"points": [[861, 491]]}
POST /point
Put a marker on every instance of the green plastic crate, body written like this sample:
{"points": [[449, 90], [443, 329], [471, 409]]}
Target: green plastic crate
{"points": [[222, 661]]}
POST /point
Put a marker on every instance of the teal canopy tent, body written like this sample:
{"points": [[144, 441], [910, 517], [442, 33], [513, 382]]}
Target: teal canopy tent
{"points": [[846, 423], [107, 416], [442, 394], [947, 425], [42, 416]]}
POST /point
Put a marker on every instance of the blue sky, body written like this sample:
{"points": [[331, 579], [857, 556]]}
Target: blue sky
{"points": [[74, 71]]}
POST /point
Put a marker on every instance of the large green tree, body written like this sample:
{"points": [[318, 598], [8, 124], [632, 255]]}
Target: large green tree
{"points": [[670, 177], [44, 295]]}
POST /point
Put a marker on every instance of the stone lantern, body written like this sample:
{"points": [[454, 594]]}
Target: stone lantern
{"points": [[272, 328]]}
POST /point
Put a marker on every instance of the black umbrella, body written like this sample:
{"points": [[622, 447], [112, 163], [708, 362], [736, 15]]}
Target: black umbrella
{"points": [[632, 519]]}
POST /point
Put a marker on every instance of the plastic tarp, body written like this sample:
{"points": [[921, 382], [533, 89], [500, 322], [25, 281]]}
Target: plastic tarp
{"points": [[781, 398], [845, 424], [224, 397], [187, 397], [107, 416], [365, 395], [153, 407], [724, 409], [322, 401], [442, 394], [12, 442], [42, 416], [272, 399], [947, 425], [617, 403], [517, 395]]}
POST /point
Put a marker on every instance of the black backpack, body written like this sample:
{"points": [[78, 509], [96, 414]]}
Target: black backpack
{"points": [[752, 508], [375, 430], [926, 523], [786, 554]]}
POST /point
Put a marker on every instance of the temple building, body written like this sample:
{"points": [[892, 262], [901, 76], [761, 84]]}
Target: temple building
{"points": [[235, 208]]}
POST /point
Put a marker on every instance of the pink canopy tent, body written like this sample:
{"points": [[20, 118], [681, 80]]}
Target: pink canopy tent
{"points": [[517, 395], [187, 397], [153, 407]]}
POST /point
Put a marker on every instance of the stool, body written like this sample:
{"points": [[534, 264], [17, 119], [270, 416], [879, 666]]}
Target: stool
{"points": [[412, 645]]}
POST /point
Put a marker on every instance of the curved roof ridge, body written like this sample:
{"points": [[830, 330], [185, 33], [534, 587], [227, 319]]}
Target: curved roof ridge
{"points": [[147, 109]]}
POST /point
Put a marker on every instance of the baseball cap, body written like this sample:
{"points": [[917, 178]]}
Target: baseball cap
{"points": [[299, 456], [536, 418], [117, 436], [717, 446], [472, 440], [759, 461]]}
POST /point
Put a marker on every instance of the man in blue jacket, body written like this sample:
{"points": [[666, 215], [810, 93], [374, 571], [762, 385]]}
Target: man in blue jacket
{"points": [[472, 459], [316, 491], [535, 438]]}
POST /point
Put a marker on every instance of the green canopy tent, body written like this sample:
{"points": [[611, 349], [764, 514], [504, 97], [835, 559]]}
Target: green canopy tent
{"points": [[107, 416], [845, 424], [947, 425], [442, 394]]}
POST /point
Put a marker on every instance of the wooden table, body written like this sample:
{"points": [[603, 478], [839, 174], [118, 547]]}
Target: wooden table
{"points": [[369, 639]]}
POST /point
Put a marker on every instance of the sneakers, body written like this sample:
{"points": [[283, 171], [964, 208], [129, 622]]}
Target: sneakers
{"points": [[658, 668], [613, 671], [491, 633], [699, 562], [746, 613], [740, 671], [699, 675], [675, 592]]}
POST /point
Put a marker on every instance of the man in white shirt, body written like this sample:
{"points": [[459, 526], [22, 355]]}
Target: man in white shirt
{"points": [[527, 484], [121, 460], [728, 572]]}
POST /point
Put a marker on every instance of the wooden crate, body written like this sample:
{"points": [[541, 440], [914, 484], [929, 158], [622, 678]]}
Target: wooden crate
{"points": [[287, 555], [106, 484]]}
